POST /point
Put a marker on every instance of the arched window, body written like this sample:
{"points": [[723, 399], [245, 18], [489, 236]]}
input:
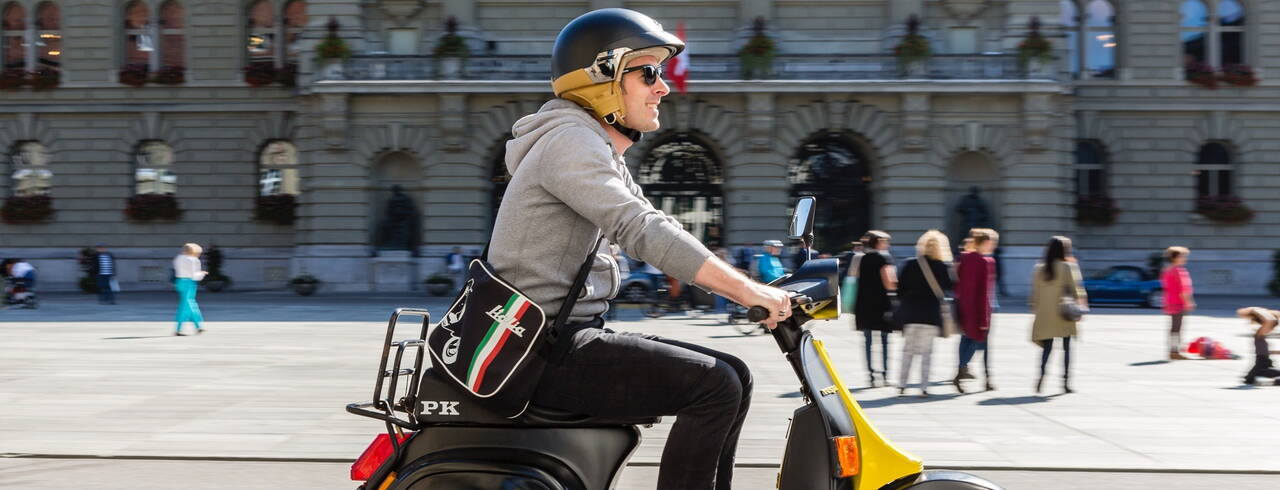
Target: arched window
{"points": [[153, 169], [139, 41], [1213, 170], [1091, 38], [278, 169], [683, 178], [295, 20], [13, 32], [31, 175], [1070, 21], [1100, 39], [274, 36], [48, 36], [261, 45], [1091, 169], [834, 169], [172, 41], [1213, 32]]}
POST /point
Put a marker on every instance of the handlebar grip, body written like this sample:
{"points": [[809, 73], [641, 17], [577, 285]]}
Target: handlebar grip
{"points": [[757, 314]]}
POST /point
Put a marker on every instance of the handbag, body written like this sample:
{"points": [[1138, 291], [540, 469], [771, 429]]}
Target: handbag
{"points": [[848, 294], [944, 303], [1069, 308], [493, 343]]}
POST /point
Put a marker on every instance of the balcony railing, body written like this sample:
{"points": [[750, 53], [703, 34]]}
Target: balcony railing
{"points": [[708, 67]]}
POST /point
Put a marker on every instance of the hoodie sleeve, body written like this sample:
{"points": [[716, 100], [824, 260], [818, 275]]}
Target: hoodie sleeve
{"points": [[586, 178]]}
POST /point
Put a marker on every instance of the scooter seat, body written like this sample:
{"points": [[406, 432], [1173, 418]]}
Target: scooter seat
{"points": [[440, 402], [550, 417]]}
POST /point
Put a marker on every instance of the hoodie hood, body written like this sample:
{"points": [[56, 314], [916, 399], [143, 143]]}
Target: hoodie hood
{"points": [[555, 114]]}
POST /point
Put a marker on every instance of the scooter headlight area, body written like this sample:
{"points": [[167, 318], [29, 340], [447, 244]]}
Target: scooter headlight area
{"points": [[439, 437]]}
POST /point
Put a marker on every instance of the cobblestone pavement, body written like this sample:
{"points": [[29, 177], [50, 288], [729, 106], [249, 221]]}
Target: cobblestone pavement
{"points": [[272, 374]]}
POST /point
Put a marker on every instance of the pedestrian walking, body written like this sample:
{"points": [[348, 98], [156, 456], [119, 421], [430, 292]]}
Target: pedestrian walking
{"points": [[768, 266], [877, 277], [975, 290], [1056, 289], [1262, 366], [104, 272], [922, 287], [187, 272], [1178, 300]]}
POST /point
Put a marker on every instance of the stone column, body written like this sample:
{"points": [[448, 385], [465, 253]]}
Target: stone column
{"points": [[756, 189], [456, 189], [908, 193]]}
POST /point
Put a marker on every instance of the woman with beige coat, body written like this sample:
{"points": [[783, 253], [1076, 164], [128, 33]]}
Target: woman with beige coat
{"points": [[1056, 277]]}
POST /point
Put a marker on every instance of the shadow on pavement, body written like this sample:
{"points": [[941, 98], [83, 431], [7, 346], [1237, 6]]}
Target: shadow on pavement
{"points": [[910, 398], [1017, 400], [142, 337], [1149, 363]]}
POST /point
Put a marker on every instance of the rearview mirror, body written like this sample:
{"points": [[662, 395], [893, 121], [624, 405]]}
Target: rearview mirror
{"points": [[802, 218]]}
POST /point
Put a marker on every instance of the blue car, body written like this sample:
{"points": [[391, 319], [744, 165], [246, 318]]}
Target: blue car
{"points": [[1125, 284]]}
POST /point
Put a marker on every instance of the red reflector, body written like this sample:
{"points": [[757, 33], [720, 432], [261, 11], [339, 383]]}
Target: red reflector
{"points": [[374, 455]]}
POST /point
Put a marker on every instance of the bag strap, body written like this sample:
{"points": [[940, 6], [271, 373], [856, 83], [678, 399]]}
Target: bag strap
{"points": [[927, 269]]}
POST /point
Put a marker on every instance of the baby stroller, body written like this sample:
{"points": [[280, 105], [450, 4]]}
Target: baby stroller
{"points": [[18, 292]]}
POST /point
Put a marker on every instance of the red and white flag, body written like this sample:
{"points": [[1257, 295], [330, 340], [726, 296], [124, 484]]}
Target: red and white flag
{"points": [[678, 67]]}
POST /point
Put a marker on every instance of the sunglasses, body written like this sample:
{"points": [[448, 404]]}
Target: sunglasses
{"points": [[650, 75]]}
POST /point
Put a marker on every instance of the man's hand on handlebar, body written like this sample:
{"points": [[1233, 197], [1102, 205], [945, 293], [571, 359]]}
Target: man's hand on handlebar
{"points": [[777, 301]]}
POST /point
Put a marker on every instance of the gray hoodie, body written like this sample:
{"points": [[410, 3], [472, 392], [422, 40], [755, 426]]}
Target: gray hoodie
{"points": [[566, 185]]}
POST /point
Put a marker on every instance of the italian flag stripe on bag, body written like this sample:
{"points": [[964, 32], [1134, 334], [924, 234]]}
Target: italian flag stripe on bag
{"points": [[495, 338]]}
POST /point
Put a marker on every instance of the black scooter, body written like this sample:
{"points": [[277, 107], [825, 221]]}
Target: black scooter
{"points": [[438, 438]]}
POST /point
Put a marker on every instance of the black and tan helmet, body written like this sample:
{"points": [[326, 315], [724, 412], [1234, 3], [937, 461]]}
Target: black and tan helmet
{"points": [[590, 52]]}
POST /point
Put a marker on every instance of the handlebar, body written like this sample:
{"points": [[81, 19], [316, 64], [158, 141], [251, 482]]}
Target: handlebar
{"points": [[759, 314]]}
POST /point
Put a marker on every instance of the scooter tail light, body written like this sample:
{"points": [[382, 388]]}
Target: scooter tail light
{"points": [[374, 455], [847, 455]]}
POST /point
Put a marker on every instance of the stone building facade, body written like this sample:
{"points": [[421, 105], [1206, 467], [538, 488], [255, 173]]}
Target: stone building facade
{"points": [[1116, 119]]}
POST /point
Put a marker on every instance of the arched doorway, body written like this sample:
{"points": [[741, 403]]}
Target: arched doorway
{"points": [[969, 171], [834, 168], [395, 217], [684, 178]]}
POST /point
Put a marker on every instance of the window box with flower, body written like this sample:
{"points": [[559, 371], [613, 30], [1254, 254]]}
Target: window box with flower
{"points": [[913, 50], [279, 209], [1201, 74], [23, 210], [12, 78], [260, 73], [170, 75], [756, 57], [45, 78], [1238, 75], [1096, 210], [332, 52], [149, 207], [1035, 53], [1223, 209], [287, 75], [134, 74]]}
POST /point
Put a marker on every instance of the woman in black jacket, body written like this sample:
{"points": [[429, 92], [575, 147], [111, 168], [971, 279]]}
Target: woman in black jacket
{"points": [[876, 278], [919, 309]]}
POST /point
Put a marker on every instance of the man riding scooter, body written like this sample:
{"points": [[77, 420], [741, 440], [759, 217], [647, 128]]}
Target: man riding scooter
{"points": [[569, 185]]}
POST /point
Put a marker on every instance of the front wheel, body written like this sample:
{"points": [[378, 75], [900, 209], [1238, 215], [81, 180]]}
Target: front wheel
{"points": [[1155, 299], [950, 480]]}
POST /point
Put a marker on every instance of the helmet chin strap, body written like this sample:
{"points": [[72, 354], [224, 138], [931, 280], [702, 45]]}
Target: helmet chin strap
{"points": [[631, 134]]}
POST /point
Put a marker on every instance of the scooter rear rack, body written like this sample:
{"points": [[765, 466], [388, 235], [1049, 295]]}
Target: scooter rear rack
{"points": [[398, 414]]}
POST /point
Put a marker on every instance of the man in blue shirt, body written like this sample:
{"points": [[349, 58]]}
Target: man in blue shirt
{"points": [[104, 269], [767, 264]]}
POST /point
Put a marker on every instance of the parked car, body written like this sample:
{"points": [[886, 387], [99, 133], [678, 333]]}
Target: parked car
{"points": [[1125, 284], [639, 285]]}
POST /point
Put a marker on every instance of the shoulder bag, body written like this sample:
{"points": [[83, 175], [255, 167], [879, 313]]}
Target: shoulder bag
{"points": [[944, 304], [492, 342]]}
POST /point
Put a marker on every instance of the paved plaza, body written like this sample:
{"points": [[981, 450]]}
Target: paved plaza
{"points": [[270, 378]]}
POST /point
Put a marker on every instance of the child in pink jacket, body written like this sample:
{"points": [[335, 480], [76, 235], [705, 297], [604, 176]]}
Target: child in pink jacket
{"points": [[1177, 296]]}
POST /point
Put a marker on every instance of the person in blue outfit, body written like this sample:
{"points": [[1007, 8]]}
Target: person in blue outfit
{"points": [[103, 269], [768, 266], [187, 273]]}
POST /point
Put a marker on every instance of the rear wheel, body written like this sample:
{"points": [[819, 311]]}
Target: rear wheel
{"points": [[635, 293], [1155, 299]]}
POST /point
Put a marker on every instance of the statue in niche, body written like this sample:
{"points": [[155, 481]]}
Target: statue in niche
{"points": [[399, 227], [974, 210]]}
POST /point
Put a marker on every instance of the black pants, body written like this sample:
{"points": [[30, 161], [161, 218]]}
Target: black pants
{"points": [[1047, 346], [628, 374], [868, 337]]}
